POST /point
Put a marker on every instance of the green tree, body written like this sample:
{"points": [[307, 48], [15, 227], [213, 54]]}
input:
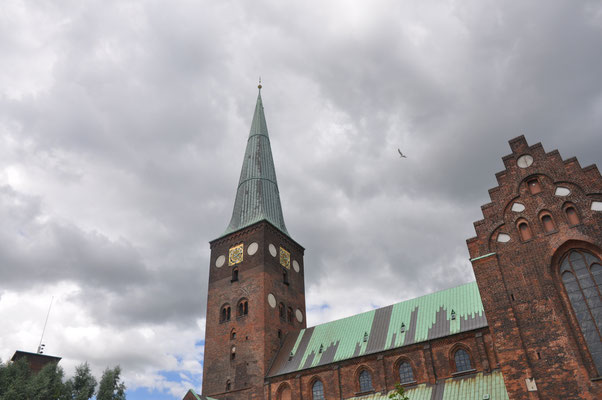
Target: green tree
{"points": [[47, 384], [111, 387], [82, 385], [399, 393], [14, 379]]}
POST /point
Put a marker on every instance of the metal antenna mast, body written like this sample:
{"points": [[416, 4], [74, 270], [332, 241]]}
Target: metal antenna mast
{"points": [[41, 345]]}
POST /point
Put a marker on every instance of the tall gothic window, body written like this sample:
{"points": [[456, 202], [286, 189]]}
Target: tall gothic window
{"points": [[365, 381], [317, 390], [581, 274], [405, 372], [462, 360]]}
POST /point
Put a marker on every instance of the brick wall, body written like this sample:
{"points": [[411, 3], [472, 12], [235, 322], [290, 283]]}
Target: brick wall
{"points": [[534, 329]]}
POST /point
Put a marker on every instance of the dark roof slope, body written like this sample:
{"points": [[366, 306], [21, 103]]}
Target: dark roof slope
{"points": [[424, 318]]}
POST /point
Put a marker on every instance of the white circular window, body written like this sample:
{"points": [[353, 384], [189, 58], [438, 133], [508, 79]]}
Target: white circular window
{"points": [[524, 161], [271, 300], [220, 261], [252, 249], [272, 249], [296, 266], [518, 207], [299, 315]]}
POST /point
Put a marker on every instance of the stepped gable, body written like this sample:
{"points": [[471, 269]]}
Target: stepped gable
{"points": [[552, 172], [432, 316]]}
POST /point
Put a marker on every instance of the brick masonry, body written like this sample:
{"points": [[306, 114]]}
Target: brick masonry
{"points": [[532, 333], [257, 338], [535, 331]]}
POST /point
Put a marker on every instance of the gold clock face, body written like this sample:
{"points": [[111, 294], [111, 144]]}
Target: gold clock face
{"points": [[236, 254], [285, 258]]}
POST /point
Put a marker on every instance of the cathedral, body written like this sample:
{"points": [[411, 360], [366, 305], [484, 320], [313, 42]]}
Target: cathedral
{"points": [[529, 327]]}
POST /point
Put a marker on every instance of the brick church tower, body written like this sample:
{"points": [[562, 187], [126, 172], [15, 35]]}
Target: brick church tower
{"points": [[256, 280], [537, 260]]}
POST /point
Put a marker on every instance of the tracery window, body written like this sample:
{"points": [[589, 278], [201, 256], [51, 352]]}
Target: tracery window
{"points": [[581, 274], [225, 313], [405, 372], [462, 360], [365, 381], [317, 390]]}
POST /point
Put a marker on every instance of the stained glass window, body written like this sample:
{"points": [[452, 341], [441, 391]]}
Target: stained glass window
{"points": [[581, 274], [317, 391], [405, 372], [365, 381], [462, 360]]}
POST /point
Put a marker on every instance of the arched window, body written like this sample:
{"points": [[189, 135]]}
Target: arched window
{"points": [[289, 315], [462, 360], [233, 353], [571, 215], [228, 385], [284, 393], [548, 223], [317, 390], [365, 381], [233, 334], [225, 313], [524, 231], [285, 276], [581, 274], [405, 372], [534, 186], [234, 274], [243, 308], [281, 310]]}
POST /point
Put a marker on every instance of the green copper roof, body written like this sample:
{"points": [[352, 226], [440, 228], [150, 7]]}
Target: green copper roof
{"points": [[428, 317], [474, 387], [257, 196]]}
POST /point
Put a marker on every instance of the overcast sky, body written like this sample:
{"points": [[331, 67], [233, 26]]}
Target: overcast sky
{"points": [[123, 126]]}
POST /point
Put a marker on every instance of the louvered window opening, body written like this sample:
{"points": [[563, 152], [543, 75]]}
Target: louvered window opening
{"points": [[581, 274], [365, 381], [317, 391], [462, 360], [405, 373]]}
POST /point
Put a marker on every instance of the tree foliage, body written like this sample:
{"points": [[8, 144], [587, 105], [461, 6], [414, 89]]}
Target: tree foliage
{"points": [[399, 393], [111, 387], [83, 384], [17, 382]]}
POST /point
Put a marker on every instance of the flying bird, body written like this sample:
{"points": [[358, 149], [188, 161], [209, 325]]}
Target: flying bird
{"points": [[401, 154]]}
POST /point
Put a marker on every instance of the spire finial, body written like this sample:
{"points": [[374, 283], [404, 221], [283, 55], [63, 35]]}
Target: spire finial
{"points": [[259, 86]]}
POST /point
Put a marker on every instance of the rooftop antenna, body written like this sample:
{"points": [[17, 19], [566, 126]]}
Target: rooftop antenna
{"points": [[41, 345]]}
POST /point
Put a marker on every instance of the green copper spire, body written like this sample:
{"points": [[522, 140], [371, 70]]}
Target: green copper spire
{"points": [[257, 197]]}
